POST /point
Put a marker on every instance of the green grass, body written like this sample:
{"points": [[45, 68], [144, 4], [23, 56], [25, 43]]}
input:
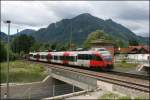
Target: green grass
{"points": [[21, 71], [114, 96], [109, 95], [125, 65]]}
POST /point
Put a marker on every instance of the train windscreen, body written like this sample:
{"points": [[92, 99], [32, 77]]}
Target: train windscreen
{"points": [[106, 55], [107, 58]]}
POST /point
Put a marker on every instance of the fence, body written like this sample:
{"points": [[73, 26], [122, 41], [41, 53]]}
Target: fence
{"points": [[39, 92], [135, 58]]}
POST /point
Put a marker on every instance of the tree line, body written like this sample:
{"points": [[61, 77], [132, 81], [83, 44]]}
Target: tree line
{"points": [[23, 44]]}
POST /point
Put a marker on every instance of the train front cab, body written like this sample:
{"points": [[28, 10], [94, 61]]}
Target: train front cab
{"points": [[99, 62]]}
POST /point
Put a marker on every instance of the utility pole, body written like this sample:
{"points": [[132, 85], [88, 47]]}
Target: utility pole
{"points": [[17, 30], [70, 37], [8, 22]]}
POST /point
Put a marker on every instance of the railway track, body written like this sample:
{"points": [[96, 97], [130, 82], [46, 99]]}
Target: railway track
{"points": [[117, 79], [120, 82], [127, 74]]}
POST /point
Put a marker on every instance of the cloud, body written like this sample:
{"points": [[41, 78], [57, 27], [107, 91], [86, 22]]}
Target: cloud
{"points": [[34, 14], [134, 14]]}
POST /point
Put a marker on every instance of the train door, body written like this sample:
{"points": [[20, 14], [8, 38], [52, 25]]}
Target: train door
{"points": [[73, 59], [37, 57], [83, 60], [49, 57], [66, 58]]}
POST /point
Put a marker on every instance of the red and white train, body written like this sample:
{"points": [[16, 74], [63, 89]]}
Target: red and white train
{"points": [[101, 58]]}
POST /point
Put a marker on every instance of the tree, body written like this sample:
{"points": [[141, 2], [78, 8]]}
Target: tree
{"points": [[63, 47], [36, 47], [120, 43], [133, 42], [2, 51], [54, 46], [98, 34], [47, 46], [22, 43]]}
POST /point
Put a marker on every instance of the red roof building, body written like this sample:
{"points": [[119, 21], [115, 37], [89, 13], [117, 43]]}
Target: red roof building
{"points": [[134, 50]]}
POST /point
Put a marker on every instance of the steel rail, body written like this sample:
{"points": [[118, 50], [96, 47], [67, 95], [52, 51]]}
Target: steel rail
{"points": [[140, 87]]}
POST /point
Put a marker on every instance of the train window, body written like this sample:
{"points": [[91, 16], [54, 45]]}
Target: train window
{"points": [[80, 56], [71, 58], [85, 56], [55, 57], [90, 56], [30, 55], [67, 58], [95, 57], [61, 57], [34, 56], [42, 56]]}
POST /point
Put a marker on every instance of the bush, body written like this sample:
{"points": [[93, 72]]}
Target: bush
{"points": [[3, 52], [13, 56], [124, 98], [123, 61], [21, 71]]}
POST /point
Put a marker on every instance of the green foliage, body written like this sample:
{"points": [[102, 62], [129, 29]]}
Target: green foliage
{"points": [[124, 98], [23, 72], [22, 43], [99, 34], [2, 52], [109, 95], [133, 42], [63, 47], [114, 96], [47, 46], [13, 56], [54, 46], [36, 47]]}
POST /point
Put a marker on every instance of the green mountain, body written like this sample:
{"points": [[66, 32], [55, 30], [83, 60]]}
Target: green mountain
{"points": [[26, 31], [3, 36], [80, 27]]}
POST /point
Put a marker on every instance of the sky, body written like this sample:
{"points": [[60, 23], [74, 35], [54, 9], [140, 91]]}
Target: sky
{"points": [[39, 14]]}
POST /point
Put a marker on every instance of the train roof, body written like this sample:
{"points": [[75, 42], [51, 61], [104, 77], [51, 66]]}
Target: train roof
{"points": [[102, 51]]}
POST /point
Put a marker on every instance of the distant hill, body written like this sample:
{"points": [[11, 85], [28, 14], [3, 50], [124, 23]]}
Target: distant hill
{"points": [[3, 36], [143, 40], [26, 31], [80, 27]]}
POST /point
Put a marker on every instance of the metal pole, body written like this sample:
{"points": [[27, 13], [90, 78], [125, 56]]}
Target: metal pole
{"points": [[70, 37], [53, 90], [17, 30], [8, 58], [73, 88]]}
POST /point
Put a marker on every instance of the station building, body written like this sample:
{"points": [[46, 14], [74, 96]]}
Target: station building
{"points": [[102, 43]]}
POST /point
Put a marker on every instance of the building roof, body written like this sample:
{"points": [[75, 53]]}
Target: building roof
{"points": [[101, 41], [134, 49]]}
